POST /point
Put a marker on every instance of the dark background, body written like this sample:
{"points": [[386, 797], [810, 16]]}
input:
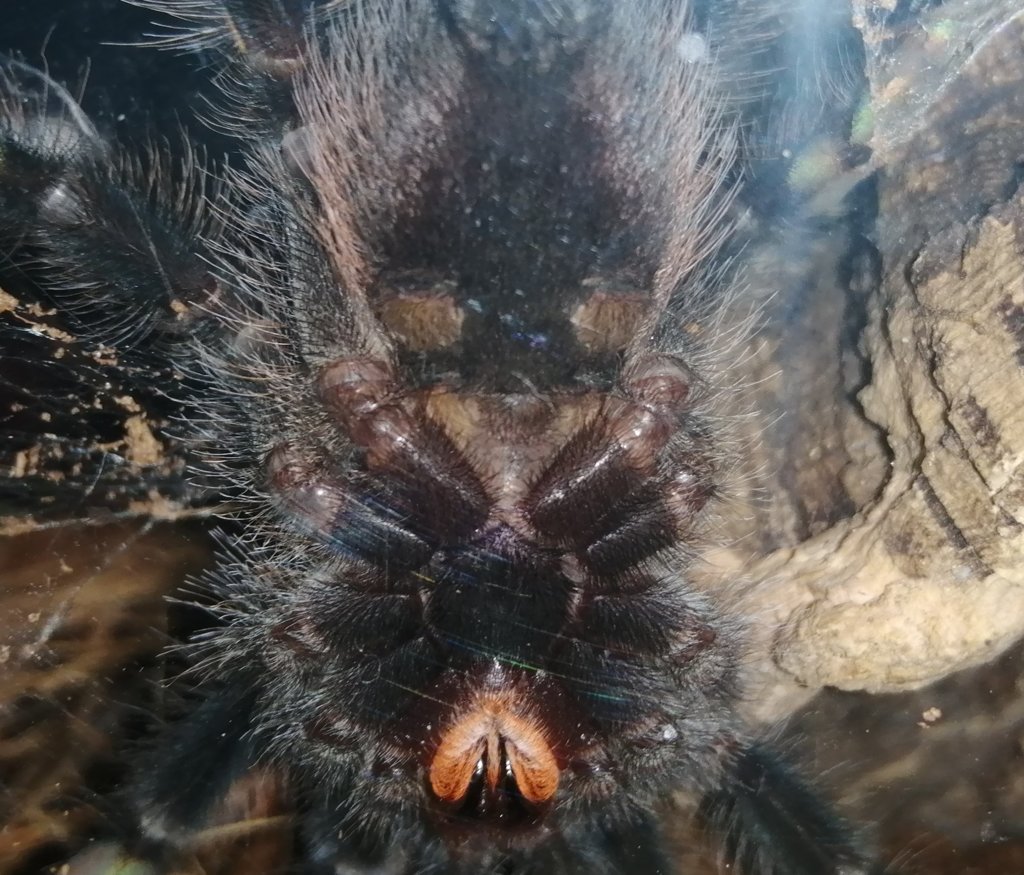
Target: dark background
{"points": [[130, 91]]}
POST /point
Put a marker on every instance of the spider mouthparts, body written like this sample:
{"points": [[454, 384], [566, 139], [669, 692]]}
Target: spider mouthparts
{"points": [[494, 763]]}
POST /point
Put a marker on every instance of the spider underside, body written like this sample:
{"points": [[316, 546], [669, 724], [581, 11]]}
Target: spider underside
{"points": [[450, 341]]}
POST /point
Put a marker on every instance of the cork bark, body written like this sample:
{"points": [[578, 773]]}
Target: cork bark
{"points": [[889, 550]]}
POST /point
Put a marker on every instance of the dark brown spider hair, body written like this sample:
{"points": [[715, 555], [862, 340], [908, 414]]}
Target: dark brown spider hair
{"points": [[450, 340]]}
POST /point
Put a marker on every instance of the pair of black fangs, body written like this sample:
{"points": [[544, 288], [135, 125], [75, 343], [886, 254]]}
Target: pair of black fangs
{"points": [[446, 341]]}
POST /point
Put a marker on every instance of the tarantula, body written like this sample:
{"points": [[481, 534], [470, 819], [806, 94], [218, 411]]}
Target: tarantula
{"points": [[450, 341]]}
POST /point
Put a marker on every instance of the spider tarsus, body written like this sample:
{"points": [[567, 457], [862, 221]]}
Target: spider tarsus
{"points": [[181, 782], [773, 823]]}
